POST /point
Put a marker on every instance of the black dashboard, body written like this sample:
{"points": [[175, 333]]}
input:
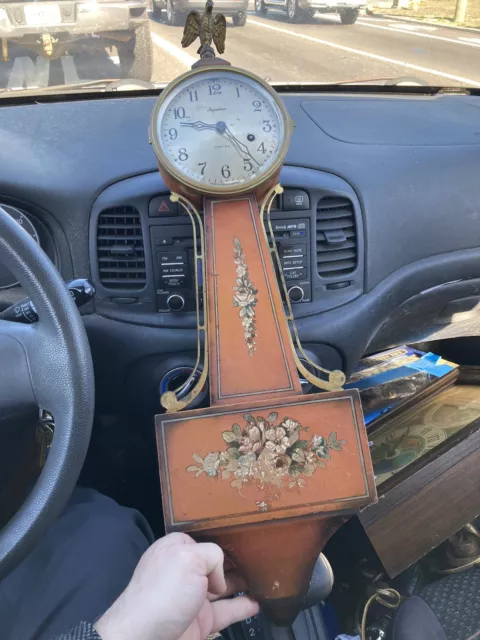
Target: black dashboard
{"points": [[378, 227]]}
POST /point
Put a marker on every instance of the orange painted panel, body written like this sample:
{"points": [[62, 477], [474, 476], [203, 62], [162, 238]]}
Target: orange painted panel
{"points": [[310, 458], [248, 335]]}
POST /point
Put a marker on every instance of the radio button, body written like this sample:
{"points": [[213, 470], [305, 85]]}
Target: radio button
{"points": [[161, 242], [293, 250], [295, 274], [173, 270], [296, 294], [172, 258], [298, 263], [173, 282], [175, 302]]}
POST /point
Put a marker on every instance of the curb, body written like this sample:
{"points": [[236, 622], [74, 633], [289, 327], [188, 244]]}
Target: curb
{"points": [[374, 14]]}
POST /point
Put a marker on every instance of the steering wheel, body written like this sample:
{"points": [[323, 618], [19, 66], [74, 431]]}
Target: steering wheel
{"points": [[44, 366]]}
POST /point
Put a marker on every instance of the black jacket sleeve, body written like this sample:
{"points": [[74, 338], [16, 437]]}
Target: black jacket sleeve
{"points": [[83, 631]]}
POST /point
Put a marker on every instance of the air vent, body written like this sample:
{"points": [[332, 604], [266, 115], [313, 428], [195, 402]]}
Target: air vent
{"points": [[336, 237], [120, 250]]}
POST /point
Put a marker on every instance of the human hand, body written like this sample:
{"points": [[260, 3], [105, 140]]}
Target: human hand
{"points": [[174, 595]]}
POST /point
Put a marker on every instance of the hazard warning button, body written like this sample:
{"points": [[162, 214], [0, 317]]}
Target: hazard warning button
{"points": [[162, 206]]}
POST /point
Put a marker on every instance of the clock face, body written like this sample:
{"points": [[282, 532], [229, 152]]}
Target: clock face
{"points": [[220, 131], [398, 447]]}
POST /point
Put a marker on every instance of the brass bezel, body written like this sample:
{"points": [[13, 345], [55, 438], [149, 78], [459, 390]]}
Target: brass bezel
{"points": [[228, 189]]}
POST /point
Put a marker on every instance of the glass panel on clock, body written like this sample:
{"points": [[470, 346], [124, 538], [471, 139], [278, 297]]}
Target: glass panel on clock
{"points": [[417, 431]]}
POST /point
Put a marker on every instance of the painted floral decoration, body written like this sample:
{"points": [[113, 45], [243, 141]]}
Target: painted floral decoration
{"points": [[268, 452], [244, 297]]}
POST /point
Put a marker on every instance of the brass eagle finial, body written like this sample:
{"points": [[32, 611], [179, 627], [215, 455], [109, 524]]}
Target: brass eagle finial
{"points": [[206, 27]]}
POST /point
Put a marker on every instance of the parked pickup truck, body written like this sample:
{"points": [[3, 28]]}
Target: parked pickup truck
{"points": [[301, 10], [53, 29]]}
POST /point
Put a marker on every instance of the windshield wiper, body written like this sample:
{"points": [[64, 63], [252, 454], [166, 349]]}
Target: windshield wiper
{"points": [[384, 80], [392, 84], [104, 84]]}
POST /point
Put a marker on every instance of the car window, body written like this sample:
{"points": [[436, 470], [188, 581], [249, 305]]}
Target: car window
{"points": [[69, 45]]}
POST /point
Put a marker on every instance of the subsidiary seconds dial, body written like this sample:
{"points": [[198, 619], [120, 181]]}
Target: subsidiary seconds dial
{"points": [[220, 131]]}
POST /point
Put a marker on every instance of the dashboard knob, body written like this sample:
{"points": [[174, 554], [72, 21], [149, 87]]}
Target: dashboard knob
{"points": [[175, 302], [296, 293]]}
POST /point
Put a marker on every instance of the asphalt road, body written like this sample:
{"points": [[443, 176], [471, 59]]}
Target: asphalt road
{"points": [[322, 50]]}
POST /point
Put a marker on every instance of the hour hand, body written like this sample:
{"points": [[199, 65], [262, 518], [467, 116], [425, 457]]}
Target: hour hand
{"points": [[198, 125]]}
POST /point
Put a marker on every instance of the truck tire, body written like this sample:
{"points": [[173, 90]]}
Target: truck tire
{"points": [[240, 19], [174, 19], [136, 57], [293, 11], [260, 8], [349, 16]]}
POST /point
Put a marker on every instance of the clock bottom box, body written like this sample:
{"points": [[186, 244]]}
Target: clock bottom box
{"points": [[426, 456], [208, 483]]}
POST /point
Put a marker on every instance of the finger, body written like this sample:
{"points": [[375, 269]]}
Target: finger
{"points": [[174, 539], [227, 612], [235, 584], [212, 556]]}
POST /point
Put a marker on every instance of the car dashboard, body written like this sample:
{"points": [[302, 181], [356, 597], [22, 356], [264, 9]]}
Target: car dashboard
{"points": [[377, 228]]}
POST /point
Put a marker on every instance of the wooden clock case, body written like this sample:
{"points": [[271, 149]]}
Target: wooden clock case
{"points": [[267, 473]]}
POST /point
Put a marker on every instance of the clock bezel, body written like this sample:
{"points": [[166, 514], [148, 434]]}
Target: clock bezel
{"points": [[224, 190]]}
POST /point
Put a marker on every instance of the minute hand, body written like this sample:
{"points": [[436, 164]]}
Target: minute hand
{"points": [[239, 145]]}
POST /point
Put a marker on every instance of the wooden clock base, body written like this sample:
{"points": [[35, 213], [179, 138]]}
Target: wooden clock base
{"points": [[277, 560], [269, 485]]}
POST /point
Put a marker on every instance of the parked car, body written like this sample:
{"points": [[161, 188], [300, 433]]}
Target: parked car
{"points": [[176, 10], [298, 10], [52, 29]]}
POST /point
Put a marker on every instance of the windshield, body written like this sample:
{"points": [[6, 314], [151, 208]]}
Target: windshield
{"points": [[70, 45]]}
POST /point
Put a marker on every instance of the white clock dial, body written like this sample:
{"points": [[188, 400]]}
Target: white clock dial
{"points": [[220, 129]]}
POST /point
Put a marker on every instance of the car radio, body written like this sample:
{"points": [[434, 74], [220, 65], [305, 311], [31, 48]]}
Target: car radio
{"points": [[172, 249]]}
